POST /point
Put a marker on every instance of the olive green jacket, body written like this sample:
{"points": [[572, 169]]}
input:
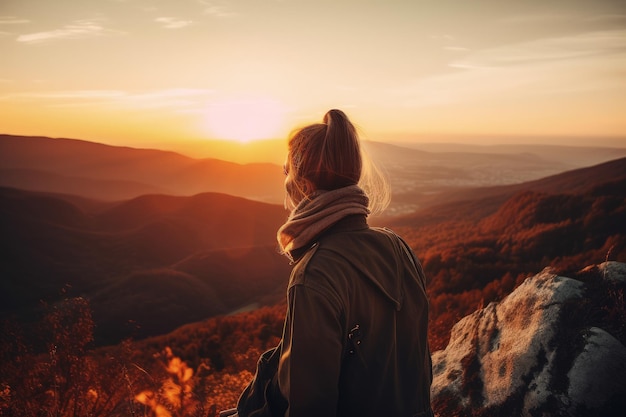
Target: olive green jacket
{"points": [[355, 335]]}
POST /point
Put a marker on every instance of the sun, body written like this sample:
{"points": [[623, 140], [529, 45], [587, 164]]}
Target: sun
{"points": [[245, 120]]}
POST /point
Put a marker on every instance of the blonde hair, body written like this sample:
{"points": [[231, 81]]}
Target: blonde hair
{"points": [[328, 156]]}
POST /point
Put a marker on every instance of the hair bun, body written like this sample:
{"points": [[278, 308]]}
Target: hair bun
{"points": [[334, 115]]}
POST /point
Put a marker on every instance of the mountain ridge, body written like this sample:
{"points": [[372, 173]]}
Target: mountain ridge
{"points": [[143, 171], [108, 172], [581, 180]]}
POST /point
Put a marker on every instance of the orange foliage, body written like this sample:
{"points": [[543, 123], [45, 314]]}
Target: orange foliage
{"points": [[469, 263]]}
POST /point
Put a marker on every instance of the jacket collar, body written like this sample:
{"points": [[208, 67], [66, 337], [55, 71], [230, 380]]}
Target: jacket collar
{"points": [[349, 223]]}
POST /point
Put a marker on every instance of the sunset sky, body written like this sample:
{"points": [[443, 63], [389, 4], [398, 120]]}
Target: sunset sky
{"points": [[146, 72]]}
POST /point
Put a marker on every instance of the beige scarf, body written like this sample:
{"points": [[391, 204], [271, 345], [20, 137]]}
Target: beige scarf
{"points": [[317, 213]]}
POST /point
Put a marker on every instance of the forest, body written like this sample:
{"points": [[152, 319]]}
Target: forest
{"points": [[473, 252]]}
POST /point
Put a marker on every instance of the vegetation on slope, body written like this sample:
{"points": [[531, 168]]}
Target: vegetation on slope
{"points": [[473, 251]]}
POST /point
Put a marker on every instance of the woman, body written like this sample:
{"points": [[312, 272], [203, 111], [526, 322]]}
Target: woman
{"points": [[355, 336]]}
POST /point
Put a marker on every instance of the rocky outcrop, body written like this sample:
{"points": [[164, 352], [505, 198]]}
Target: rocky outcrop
{"points": [[553, 347]]}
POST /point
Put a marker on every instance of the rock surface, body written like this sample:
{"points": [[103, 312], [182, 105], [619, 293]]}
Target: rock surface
{"points": [[550, 348]]}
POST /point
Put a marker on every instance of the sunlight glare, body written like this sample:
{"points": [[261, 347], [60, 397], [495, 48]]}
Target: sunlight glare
{"points": [[245, 120]]}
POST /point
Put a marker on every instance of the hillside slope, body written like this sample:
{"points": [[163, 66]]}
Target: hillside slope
{"points": [[159, 261], [478, 249], [580, 180]]}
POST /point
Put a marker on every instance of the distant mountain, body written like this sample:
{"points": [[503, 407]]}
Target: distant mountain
{"points": [[158, 261], [254, 151], [37, 180], [112, 172], [418, 178], [574, 156]]}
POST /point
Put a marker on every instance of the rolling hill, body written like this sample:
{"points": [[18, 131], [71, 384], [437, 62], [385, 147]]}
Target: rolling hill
{"points": [[158, 261]]}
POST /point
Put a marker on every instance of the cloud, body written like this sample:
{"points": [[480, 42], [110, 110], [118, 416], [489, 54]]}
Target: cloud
{"points": [[442, 37], [75, 30], [172, 98], [216, 9], [456, 48], [607, 18], [12, 20], [590, 45], [172, 22], [538, 18], [468, 66], [69, 94], [557, 67], [563, 17], [168, 98]]}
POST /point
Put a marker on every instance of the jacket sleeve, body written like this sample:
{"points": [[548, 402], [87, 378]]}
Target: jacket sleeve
{"points": [[310, 363]]}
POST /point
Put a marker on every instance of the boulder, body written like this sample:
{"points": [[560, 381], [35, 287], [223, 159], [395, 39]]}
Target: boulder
{"points": [[553, 347]]}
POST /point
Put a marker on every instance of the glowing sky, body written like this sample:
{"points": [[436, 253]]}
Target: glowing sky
{"points": [[150, 71]]}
